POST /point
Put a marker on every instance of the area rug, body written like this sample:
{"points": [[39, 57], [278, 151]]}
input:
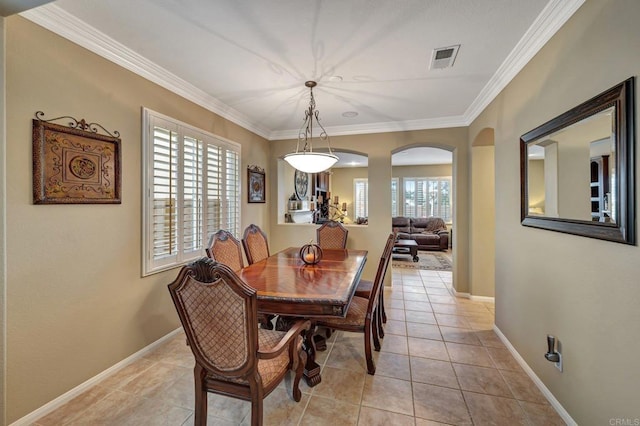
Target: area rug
{"points": [[429, 260]]}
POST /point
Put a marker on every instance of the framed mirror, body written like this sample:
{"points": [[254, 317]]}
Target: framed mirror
{"points": [[578, 169]]}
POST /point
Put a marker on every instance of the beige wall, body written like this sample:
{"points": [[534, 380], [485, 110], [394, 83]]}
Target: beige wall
{"points": [[76, 301], [536, 183], [482, 252], [3, 257], [342, 186], [379, 148], [582, 290]]}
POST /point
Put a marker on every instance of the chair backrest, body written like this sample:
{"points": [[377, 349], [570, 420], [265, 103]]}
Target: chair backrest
{"points": [[218, 312], [381, 272], [332, 235], [225, 248], [255, 243]]}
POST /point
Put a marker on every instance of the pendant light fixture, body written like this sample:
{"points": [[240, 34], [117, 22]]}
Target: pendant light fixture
{"points": [[307, 160]]}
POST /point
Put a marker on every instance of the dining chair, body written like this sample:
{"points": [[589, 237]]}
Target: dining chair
{"points": [[362, 313], [332, 235], [365, 287], [255, 244], [233, 357], [223, 247]]}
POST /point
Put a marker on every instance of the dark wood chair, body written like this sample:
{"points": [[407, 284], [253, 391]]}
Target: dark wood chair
{"points": [[362, 315], [225, 248], [233, 357], [255, 244], [332, 235], [364, 289]]}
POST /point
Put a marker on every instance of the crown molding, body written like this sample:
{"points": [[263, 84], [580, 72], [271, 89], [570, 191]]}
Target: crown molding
{"points": [[57, 20], [385, 127], [550, 20]]}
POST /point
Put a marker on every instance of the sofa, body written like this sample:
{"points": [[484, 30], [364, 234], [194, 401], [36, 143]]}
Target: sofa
{"points": [[429, 232]]}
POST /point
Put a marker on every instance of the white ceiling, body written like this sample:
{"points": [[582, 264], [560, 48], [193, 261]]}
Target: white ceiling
{"points": [[247, 60]]}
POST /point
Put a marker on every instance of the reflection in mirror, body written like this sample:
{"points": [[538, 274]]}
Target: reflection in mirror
{"points": [[340, 193], [571, 172], [578, 169]]}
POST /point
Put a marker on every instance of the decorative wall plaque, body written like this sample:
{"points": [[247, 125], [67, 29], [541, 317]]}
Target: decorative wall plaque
{"points": [[75, 164], [256, 184]]}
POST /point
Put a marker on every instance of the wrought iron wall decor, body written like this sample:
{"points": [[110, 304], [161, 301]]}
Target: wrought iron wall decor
{"points": [[75, 164], [256, 184]]}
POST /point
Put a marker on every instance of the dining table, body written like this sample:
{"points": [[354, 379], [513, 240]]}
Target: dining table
{"points": [[288, 287]]}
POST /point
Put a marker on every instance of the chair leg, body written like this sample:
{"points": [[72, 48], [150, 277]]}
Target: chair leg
{"points": [[256, 412], [371, 366], [201, 397], [302, 361], [379, 319], [374, 329], [383, 312]]}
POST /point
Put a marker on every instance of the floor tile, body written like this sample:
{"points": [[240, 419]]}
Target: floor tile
{"points": [[427, 349], [459, 335], [494, 410], [395, 344], [434, 372], [392, 394], [503, 359], [481, 380], [341, 413], [411, 305], [522, 387], [393, 365], [469, 354], [395, 327], [440, 404], [541, 414], [374, 417], [423, 331], [341, 385]]}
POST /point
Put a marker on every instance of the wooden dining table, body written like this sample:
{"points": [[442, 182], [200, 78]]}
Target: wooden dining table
{"points": [[288, 287]]}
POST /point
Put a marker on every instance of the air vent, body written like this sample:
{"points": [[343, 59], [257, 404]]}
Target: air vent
{"points": [[444, 57]]}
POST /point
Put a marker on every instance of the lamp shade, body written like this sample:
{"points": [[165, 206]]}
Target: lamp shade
{"points": [[311, 162]]}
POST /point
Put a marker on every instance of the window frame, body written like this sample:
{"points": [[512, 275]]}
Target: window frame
{"points": [[357, 181], [227, 207], [427, 180]]}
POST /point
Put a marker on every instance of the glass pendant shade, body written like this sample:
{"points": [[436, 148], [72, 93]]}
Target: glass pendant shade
{"points": [[311, 162]]}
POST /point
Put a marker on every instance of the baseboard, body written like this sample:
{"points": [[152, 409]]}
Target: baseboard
{"points": [[68, 396], [485, 299], [469, 296], [545, 391]]}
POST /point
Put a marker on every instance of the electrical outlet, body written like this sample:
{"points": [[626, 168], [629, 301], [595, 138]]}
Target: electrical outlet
{"points": [[559, 363]]}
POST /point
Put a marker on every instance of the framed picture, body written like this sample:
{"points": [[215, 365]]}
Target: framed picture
{"points": [[301, 182], [256, 184], [75, 164]]}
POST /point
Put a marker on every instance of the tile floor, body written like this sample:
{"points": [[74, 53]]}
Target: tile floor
{"points": [[440, 363]]}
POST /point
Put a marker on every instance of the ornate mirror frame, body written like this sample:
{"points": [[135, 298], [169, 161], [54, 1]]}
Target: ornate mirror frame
{"points": [[623, 229]]}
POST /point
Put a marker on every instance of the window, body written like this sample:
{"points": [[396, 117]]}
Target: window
{"points": [[361, 197], [427, 197], [394, 197], [192, 189]]}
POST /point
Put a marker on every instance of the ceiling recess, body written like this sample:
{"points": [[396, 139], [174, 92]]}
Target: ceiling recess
{"points": [[444, 57]]}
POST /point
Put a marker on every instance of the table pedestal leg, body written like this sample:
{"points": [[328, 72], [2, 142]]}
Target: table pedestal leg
{"points": [[311, 369]]}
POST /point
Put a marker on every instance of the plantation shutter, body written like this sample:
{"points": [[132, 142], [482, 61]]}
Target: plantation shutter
{"points": [[361, 197], [192, 189]]}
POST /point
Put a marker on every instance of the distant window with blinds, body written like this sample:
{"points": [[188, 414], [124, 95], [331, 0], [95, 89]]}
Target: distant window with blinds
{"points": [[361, 197], [191, 190], [394, 197], [428, 197]]}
